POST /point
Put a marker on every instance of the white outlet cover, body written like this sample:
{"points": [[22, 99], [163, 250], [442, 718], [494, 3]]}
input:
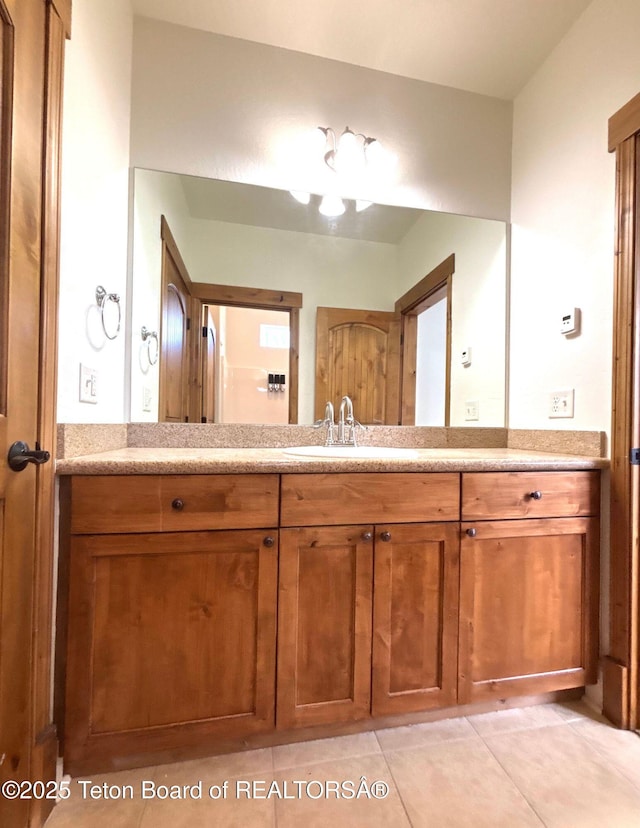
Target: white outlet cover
{"points": [[561, 403], [147, 398], [472, 410]]}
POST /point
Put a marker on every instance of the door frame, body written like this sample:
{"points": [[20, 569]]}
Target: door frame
{"points": [[409, 306], [170, 250], [621, 683], [262, 299]]}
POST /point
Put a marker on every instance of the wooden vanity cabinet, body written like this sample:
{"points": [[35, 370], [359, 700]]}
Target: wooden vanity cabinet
{"points": [[324, 625], [528, 584], [415, 617], [385, 603], [171, 634], [335, 663]]}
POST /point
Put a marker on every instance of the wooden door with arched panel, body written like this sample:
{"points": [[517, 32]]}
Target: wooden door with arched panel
{"points": [[176, 347], [358, 354]]}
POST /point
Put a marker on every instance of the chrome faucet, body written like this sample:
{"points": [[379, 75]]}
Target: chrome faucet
{"points": [[329, 422], [347, 423]]}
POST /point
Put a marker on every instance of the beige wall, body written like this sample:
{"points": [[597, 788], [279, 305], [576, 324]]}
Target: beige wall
{"points": [[244, 395], [95, 170], [226, 108], [563, 217], [154, 196], [478, 305]]}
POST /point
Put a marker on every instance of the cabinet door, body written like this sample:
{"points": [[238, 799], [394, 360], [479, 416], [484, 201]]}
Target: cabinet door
{"points": [[171, 641], [324, 625], [415, 617], [528, 607]]}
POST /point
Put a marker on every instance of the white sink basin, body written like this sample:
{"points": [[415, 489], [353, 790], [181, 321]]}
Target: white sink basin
{"points": [[351, 452]]}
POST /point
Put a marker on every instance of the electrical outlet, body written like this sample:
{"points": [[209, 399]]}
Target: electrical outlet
{"points": [[472, 410], [88, 384], [147, 398], [561, 403]]}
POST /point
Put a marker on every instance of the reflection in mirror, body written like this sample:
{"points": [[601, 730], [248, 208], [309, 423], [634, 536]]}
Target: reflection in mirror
{"points": [[255, 237]]}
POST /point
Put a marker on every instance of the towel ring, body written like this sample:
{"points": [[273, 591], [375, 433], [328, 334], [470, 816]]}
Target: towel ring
{"points": [[102, 297], [149, 336]]}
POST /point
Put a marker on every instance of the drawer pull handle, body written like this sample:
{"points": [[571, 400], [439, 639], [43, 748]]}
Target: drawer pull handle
{"points": [[537, 495], [385, 536], [268, 541], [177, 504], [472, 532], [367, 536]]}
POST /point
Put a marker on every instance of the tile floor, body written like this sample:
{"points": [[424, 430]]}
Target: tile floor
{"points": [[558, 765]]}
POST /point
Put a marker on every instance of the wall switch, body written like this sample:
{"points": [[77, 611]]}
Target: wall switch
{"points": [[88, 384], [561, 403], [147, 398], [472, 410], [465, 357]]}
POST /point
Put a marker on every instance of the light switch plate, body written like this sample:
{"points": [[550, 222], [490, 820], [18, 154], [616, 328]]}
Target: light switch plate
{"points": [[88, 384], [147, 398]]}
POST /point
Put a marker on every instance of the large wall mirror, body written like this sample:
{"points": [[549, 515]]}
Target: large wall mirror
{"points": [[288, 300]]}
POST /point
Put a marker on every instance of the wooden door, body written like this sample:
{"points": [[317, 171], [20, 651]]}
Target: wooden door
{"points": [[621, 665], [324, 625], [32, 35], [208, 366], [172, 641], [415, 617], [175, 335], [528, 607], [358, 354]]}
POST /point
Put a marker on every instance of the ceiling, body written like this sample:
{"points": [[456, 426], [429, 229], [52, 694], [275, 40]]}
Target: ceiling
{"points": [[491, 47], [263, 207]]}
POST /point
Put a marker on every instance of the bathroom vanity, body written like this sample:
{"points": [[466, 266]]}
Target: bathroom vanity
{"points": [[297, 598]]}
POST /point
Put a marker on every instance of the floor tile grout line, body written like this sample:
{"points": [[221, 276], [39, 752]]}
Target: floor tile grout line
{"points": [[601, 755], [395, 784], [513, 782]]}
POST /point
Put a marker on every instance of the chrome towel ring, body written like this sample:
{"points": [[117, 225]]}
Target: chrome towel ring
{"points": [[102, 298], [149, 337]]}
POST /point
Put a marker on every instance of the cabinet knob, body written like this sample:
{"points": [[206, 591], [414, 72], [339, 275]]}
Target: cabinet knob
{"points": [[177, 504], [367, 536], [385, 536], [268, 541], [535, 495], [472, 532]]}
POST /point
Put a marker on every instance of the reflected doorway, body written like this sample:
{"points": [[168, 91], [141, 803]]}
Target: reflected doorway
{"points": [[246, 371]]}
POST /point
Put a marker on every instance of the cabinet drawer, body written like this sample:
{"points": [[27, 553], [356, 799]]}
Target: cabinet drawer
{"points": [[505, 495], [173, 502], [335, 499]]}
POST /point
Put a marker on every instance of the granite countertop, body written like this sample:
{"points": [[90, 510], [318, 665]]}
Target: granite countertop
{"points": [[274, 460]]}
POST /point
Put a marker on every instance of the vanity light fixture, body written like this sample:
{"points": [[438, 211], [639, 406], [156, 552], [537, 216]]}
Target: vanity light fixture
{"points": [[351, 153]]}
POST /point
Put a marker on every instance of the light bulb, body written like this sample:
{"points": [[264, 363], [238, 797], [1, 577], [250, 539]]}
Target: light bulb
{"points": [[374, 152], [299, 195], [331, 206], [349, 157]]}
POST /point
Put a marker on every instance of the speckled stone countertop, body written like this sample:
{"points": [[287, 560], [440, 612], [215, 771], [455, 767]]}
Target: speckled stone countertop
{"points": [[275, 460]]}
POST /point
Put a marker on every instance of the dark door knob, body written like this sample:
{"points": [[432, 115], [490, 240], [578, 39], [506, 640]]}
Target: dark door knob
{"points": [[177, 504], [472, 532], [385, 536], [367, 536], [268, 541], [20, 456], [535, 495]]}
